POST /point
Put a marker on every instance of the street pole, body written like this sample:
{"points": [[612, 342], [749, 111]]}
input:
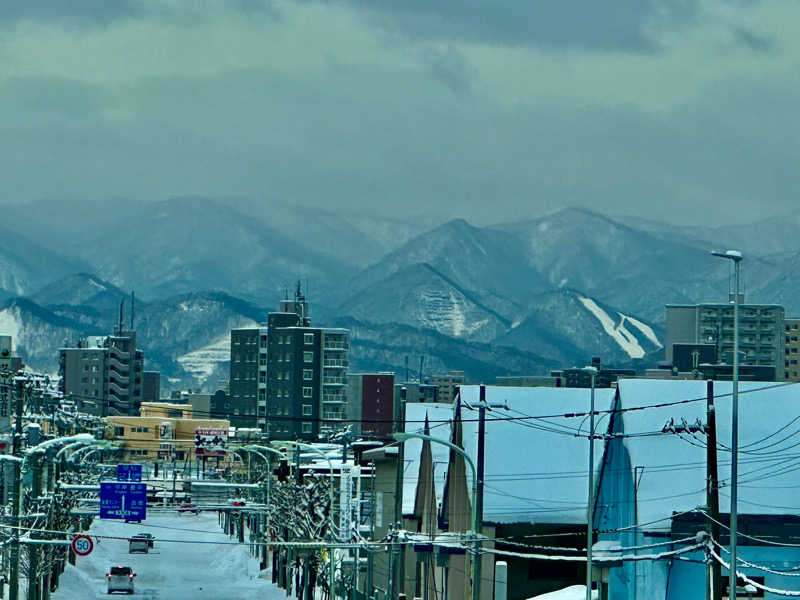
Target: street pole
{"points": [[401, 437], [736, 257], [478, 499], [714, 570], [13, 584], [735, 435], [589, 512]]}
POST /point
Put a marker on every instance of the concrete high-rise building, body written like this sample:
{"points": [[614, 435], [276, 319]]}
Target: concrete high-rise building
{"points": [[290, 377], [448, 385], [370, 398], [761, 332], [151, 386], [248, 382], [104, 375], [791, 350]]}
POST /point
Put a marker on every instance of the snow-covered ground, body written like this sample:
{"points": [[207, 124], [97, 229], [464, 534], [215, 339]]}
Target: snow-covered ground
{"points": [[200, 565], [573, 592]]}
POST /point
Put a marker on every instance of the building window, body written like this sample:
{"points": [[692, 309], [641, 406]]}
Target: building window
{"points": [[120, 431], [308, 392], [308, 357], [308, 338], [307, 410], [308, 374], [306, 427]]}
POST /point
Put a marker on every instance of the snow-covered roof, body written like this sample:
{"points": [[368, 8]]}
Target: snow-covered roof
{"points": [[672, 466], [535, 469], [437, 414]]}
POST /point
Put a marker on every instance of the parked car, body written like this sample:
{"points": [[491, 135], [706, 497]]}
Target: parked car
{"points": [[120, 579]]}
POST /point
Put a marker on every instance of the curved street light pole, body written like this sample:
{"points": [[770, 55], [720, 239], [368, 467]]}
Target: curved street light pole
{"points": [[476, 588], [319, 452], [736, 257]]}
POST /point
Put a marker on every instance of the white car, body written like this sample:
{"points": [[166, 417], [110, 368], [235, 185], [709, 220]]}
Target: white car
{"points": [[120, 579]]}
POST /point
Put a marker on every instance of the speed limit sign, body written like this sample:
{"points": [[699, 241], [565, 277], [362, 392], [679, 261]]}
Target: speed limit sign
{"points": [[82, 545]]}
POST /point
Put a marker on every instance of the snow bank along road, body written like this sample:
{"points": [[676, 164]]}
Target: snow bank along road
{"points": [[200, 567]]}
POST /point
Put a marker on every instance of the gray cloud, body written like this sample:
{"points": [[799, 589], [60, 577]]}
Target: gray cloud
{"points": [[100, 12], [754, 41], [451, 67], [601, 24]]}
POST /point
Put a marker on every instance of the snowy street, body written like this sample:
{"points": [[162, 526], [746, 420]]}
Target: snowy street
{"points": [[201, 564]]}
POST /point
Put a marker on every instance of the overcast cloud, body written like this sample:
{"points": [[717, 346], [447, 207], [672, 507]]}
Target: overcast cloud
{"points": [[673, 109]]}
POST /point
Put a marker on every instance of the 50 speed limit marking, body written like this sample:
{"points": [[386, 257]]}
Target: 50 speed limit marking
{"points": [[82, 545]]}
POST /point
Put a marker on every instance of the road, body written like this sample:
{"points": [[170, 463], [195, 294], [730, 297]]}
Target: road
{"points": [[200, 564]]}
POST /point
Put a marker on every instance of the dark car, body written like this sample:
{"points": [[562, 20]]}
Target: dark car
{"points": [[148, 536], [188, 508]]}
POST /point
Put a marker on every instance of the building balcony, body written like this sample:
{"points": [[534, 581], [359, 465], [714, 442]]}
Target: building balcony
{"points": [[334, 400], [336, 362], [330, 345], [334, 380]]}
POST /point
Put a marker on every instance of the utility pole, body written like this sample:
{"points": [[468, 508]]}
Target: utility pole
{"points": [[714, 569], [13, 584], [476, 564], [589, 508]]}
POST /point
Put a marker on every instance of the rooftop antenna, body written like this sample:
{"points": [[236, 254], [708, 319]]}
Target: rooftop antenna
{"points": [[421, 363], [133, 299], [121, 314]]}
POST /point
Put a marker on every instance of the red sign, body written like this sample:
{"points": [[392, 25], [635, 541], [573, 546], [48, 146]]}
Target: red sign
{"points": [[82, 545]]}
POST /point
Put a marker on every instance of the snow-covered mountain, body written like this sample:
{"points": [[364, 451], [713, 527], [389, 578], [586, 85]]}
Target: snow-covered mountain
{"points": [[559, 289], [25, 265], [573, 327]]}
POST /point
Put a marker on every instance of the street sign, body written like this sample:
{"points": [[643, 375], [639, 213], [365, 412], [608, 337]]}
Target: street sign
{"points": [[82, 545], [123, 500], [129, 472], [345, 502]]}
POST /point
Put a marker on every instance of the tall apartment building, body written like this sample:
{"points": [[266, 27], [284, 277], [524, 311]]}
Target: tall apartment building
{"points": [[248, 382], [370, 399], [761, 332], [290, 376], [791, 350], [104, 375]]}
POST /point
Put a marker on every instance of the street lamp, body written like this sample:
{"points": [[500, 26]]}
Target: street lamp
{"points": [[592, 372], [476, 587], [736, 257], [315, 450]]}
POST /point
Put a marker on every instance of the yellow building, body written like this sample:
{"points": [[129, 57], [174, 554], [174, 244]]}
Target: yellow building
{"points": [[167, 432]]}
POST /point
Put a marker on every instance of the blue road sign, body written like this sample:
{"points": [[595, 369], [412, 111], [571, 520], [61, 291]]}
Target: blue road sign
{"points": [[123, 500], [129, 472]]}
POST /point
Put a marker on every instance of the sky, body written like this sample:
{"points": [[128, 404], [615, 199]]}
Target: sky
{"points": [[493, 110]]}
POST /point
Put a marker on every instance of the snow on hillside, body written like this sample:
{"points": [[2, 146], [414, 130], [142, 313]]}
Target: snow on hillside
{"points": [[10, 323], [201, 363], [624, 338], [447, 312]]}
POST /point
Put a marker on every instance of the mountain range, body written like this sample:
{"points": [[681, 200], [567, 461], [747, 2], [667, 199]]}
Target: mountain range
{"points": [[511, 298]]}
